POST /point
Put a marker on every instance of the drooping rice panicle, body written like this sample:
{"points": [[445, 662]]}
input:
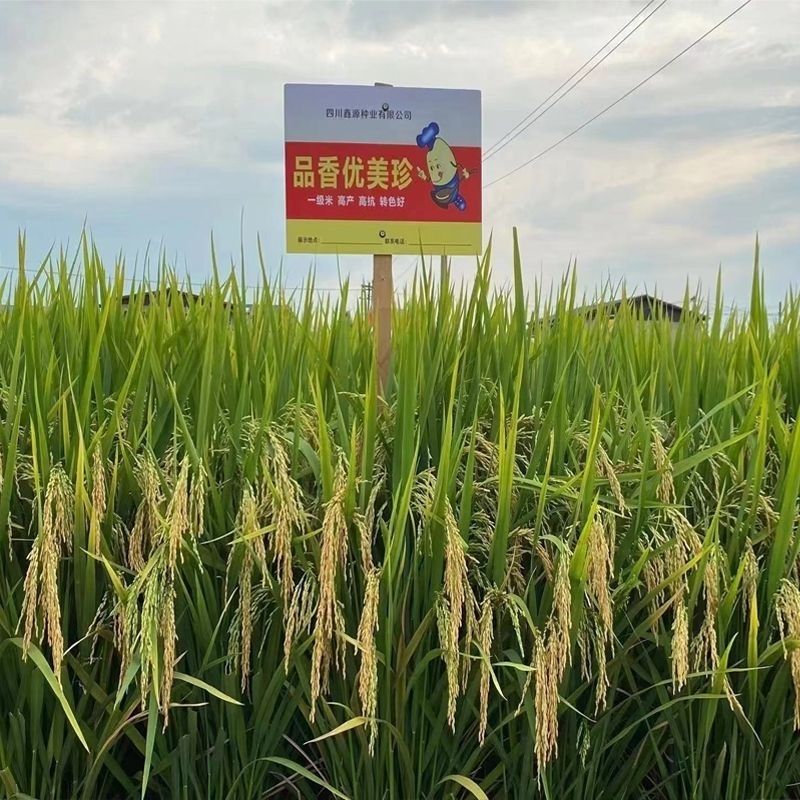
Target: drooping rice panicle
{"points": [[333, 542], [368, 670], [41, 593]]}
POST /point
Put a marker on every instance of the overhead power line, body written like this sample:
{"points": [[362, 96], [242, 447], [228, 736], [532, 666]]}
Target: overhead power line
{"points": [[619, 99], [409, 266], [577, 83], [499, 145]]}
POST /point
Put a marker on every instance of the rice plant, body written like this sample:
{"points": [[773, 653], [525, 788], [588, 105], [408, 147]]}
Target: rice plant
{"points": [[556, 556]]}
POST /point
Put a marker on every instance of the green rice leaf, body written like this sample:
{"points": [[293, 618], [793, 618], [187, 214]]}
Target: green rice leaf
{"points": [[468, 784]]}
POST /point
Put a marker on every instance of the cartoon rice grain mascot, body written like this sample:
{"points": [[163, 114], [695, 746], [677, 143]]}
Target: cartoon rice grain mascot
{"points": [[444, 171]]}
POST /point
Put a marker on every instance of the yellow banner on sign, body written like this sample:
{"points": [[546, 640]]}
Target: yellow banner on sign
{"points": [[368, 237]]}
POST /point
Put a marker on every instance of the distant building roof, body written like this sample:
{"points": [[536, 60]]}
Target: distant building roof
{"points": [[149, 296], [643, 305]]}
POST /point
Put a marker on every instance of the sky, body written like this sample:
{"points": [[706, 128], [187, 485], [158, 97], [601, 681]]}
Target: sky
{"points": [[157, 124]]}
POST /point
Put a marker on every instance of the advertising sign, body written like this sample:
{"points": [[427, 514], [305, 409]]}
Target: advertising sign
{"points": [[382, 170]]}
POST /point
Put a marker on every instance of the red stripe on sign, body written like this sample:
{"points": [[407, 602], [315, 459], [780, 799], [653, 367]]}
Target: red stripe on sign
{"points": [[382, 182]]}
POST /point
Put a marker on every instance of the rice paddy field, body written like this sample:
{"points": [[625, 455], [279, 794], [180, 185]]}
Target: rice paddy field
{"points": [[556, 557]]}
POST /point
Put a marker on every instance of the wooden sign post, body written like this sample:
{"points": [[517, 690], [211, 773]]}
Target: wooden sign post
{"points": [[382, 171], [382, 315], [382, 308]]}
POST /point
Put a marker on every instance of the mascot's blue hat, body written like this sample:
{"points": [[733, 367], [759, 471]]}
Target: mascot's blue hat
{"points": [[428, 136]]}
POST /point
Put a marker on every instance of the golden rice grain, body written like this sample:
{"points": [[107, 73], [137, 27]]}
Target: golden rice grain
{"points": [[251, 546], [666, 488], [548, 658], [485, 637], [283, 499], [334, 541], [460, 602], [98, 501], [368, 671], [606, 469], [146, 523], [680, 645], [750, 576], [599, 572], [301, 613], [787, 610], [41, 580]]}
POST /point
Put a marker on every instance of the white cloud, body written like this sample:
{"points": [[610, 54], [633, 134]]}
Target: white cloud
{"points": [[56, 155], [715, 168]]}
